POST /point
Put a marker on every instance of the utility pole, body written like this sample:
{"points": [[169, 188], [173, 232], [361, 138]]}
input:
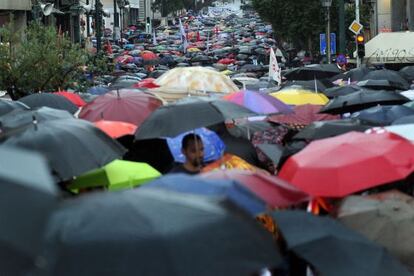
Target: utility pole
{"points": [[88, 22], [327, 4], [116, 23], [342, 43], [357, 20], [98, 25]]}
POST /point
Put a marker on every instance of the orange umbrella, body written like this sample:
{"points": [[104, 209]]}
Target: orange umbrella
{"points": [[230, 161], [74, 98], [116, 129]]}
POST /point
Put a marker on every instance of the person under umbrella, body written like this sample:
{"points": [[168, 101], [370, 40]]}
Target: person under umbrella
{"points": [[193, 150]]}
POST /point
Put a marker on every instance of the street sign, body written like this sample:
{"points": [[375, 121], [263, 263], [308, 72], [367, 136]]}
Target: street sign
{"points": [[355, 27], [322, 44]]}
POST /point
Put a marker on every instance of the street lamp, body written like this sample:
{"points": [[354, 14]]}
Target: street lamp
{"points": [[327, 4]]}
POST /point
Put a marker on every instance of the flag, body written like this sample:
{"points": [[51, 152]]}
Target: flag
{"points": [[183, 36], [274, 69]]}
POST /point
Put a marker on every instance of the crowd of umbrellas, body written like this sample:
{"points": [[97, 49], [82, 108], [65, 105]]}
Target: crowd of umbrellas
{"points": [[313, 175]]}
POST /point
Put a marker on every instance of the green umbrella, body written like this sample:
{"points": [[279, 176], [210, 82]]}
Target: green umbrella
{"points": [[117, 175]]}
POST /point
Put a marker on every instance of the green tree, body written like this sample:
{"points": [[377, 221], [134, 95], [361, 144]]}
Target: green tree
{"points": [[38, 59], [297, 22]]}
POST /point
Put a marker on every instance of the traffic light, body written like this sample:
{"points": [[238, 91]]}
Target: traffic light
{"points": [[360, 40], [148, 21]]}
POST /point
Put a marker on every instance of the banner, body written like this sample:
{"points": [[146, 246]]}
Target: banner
{"points": [[274, 69]]}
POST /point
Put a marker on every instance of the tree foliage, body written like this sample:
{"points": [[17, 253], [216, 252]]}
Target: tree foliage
{"points": [[170, 6], [300, 22], [38, 59]]}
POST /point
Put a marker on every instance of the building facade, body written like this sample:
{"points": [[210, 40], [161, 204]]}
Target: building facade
{"points": [[16, 11], [393, 15]]}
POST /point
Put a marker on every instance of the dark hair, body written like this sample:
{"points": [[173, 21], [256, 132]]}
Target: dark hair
{"points": [[191, 137]]}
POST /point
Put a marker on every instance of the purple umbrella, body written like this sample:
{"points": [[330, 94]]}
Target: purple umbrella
{"points": [[259, 103]]}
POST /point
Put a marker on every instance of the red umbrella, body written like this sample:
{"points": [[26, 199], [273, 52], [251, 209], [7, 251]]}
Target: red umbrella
{"points": [[116, 129], [74, 98], [276, 192], [349, 163], [227, 61], [303, 115], [122, 105], [146, 83]]}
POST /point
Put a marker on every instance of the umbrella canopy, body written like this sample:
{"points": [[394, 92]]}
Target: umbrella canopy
{"points": [[407, 73], [24, 118], [409, 94], [258, 102], [146, 83], [353, 75], [341, 90], [389, 75], [27, 198], [149, 225], [117, 175], [123, 105], [7, 106], [174, 119], [190, 79], [229, 189], [386, 222], [382, 85], [326, 129], [404, 120], [150, 58], [230, 162], [313, 85], [276, 192], [98, 90], [49, 100], [303, 115], [362, 99], [349, 163], [314, 71], [298, 96], [72, 147], [74, 98], [383, 115], [116, 129], [333, 249], [212, 144]]}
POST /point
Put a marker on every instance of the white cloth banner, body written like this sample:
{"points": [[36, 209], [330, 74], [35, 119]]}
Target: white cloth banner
{"points": [[274, 70]]}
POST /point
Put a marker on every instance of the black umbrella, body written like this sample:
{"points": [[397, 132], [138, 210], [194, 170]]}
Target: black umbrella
{"points": [[19, 118], [362, 99], [333, 249], [156, 232], [71, 146], [27, 198], [326, 129], [314, 71], [49, 100], [242, 57], [7, 106], [341, 90], [404, 120], [309, 85], [201, 58], [407, 73], [356, 74], [251, 68], [172, 120], [381, 85], [389, 75], [383, 115]]}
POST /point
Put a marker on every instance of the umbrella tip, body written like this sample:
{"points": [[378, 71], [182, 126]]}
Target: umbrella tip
{"points": [[117, 93]]}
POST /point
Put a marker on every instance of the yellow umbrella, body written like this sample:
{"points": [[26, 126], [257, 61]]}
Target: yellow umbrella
{"points": [[300, 96], [193, 50], [196, 79], [226, 72]]}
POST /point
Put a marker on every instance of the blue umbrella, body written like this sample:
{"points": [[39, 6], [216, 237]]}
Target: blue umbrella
{"points": [[213, 145], [229, 189], [129, 46], [98, 90]]}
